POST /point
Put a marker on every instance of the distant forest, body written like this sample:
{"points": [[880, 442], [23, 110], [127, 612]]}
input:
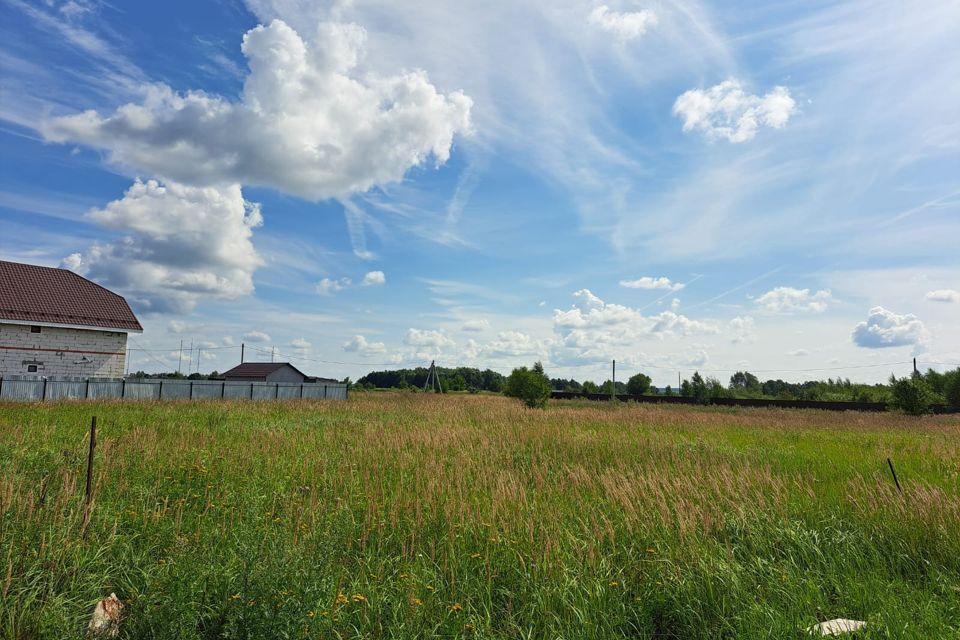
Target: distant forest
{"points": [[741, 384]]}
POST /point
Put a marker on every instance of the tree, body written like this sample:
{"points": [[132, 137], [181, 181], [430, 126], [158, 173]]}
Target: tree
{"points": [[951, 389], [698, 389], [590, 386], [638, 384], [528, 385], [911, 395], [744, 381]]}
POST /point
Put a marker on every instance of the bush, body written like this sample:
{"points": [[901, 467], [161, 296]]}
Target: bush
{"points": [[530, 386], [911, 395]]}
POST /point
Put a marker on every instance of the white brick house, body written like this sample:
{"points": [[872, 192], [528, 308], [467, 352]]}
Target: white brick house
{"points": [[54, 322]]}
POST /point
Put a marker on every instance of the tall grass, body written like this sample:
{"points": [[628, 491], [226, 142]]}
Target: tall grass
{"points": [[400, 516]]}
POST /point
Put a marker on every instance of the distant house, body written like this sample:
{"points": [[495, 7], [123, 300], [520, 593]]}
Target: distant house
{"points": [[54, 322], [266, 372]]}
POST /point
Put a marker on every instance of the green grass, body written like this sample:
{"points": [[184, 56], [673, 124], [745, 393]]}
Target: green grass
{"points": [[408, 515]]}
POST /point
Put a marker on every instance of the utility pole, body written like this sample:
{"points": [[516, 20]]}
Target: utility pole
{"points": [[243, 348], [678, 383], [199, 349], [273, 353], [180, 357], [915, 372], [613, 382]]}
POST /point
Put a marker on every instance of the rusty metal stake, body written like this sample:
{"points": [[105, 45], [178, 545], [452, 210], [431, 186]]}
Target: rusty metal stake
{"points": [[897, 482]]}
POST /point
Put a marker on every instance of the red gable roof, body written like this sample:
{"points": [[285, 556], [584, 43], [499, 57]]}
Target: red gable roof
{"points": [[29, 293], [258, 369]]}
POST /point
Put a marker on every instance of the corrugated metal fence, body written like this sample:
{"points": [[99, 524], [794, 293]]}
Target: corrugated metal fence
{"points": [[31, 389]]}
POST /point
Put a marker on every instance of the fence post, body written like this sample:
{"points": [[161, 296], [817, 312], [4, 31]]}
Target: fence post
{"points": [[251, 391], [324, 392], [301, 391], [191, 391], [88, 494], [86, 394], [223, 389], [1, 386], [44, 395], [276, 394], [160, 394], [123, 388]]}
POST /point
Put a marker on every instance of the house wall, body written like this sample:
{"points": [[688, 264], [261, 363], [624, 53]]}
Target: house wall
{"points": [[285, 374], [60, 351]]}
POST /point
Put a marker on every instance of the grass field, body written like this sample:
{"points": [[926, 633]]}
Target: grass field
{"points": [[407, 515]]}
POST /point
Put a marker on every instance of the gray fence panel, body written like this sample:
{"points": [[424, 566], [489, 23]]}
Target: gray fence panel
{"points": [[264, 391], [207, 389], [66, 389], [27, 390], [175, 390], [236, 391], [288, 392], [35, 389], [141, 390], [106, 389]]}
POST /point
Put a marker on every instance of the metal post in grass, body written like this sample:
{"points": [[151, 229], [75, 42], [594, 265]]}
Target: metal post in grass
{"points": [[894, 473], [88, 494]]}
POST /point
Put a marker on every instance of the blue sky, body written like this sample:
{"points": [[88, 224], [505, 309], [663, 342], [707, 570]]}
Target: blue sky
{"points": [[364, 185]]}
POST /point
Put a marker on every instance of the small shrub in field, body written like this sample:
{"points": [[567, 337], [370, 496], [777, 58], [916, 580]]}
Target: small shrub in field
{"points": [[911, 395], [530, 386]]}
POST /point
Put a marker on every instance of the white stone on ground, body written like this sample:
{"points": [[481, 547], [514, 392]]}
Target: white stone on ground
{"points": [[836, 626]]}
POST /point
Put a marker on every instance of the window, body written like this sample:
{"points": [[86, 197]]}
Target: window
{"points": [[34, 329], [31, 368]]}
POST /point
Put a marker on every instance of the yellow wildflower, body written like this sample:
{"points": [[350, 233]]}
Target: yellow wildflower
{"points": [[456, 607], [359, 597], [235, 596], [342, 599], [429, 588], [311, 614], [416, 602], [614, 583], [651, 551], [468, 628], [474, 555]]}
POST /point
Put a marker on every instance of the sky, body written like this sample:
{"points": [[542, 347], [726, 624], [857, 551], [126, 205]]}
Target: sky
{"points": [[364, 185]]}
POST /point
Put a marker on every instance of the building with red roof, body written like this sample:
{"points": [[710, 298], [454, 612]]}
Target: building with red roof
{"points": [[54, 322]]}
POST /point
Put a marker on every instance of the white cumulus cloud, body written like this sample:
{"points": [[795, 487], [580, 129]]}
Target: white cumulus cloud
{"points": [[626, 25], [943, 295], [788, 300], [647, 282], [885, 328], [373, 278], [593, 330], [256, 336], [307, 122], [359, 344], [475, 325], [328, 286], [726, 110], [741, 329], [427, 338], [179, 244]]}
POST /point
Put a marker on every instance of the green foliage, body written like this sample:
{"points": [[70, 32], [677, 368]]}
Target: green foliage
{"points": [[697, 388], [590, 387], [394, 516], [529, 385], [911, 395], [638, 384], [951, 389], [744, 381], [458, 379]]}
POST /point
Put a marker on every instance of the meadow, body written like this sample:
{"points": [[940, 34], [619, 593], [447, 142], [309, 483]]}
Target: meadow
{"points": [[468, 516]]}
